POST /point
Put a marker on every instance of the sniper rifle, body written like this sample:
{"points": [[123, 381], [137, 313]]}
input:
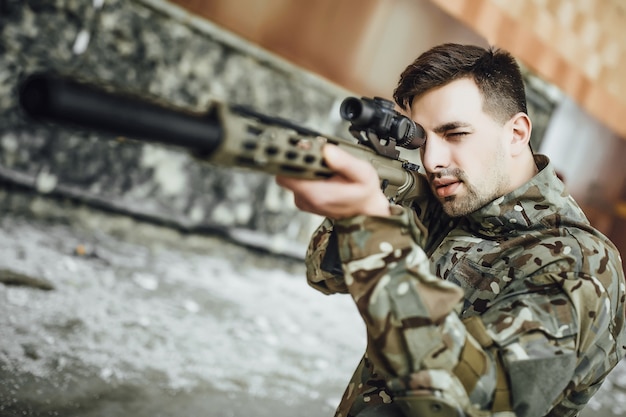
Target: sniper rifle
{"points": [[233, 135]]}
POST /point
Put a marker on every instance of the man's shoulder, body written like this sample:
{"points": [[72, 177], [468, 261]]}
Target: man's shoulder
{"points": [[576, 245]]}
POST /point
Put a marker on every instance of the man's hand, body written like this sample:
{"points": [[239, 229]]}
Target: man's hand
{"points": [[353, 190]]}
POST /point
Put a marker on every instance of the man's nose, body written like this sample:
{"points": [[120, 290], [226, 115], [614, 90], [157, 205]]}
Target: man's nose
{"points": [[435, 154]]}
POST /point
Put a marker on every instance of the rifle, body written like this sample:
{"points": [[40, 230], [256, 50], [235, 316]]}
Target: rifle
{"points": [[232, 135]]}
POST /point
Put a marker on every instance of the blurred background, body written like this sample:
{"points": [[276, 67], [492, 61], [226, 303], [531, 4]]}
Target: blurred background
{"points": [[574, 53], [138, 280]]}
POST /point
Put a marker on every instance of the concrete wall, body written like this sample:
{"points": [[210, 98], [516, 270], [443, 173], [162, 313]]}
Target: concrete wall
{"points": [[156, 49]]}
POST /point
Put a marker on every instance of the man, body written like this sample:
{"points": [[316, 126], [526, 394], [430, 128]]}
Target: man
{"points": [[490, 296]]}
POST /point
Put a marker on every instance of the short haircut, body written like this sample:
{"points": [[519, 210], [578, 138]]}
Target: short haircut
{"points": [[495, 72]]}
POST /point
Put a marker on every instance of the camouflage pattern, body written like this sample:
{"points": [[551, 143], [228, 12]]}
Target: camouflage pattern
{"points": [[517, 309]]}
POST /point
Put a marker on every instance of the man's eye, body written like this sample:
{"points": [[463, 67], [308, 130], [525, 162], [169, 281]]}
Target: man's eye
{"points": [[456, 134]]}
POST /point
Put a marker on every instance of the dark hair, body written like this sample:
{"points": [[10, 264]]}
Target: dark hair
{"points": [[495, 72]]}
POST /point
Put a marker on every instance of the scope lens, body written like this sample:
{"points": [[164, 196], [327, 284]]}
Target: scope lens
{"points": [[351, 108]]}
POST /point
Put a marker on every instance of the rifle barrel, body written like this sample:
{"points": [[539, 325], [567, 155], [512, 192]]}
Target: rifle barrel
{"points": [[47, 97]]}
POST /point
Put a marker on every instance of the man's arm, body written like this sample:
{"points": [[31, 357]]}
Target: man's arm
{"points": [[353, 190], [549, 339]]}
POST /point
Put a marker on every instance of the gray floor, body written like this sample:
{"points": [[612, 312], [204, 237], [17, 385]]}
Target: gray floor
{"points": [[143, 321]]}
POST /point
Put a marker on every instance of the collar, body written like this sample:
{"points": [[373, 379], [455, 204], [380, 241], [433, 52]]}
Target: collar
{"points": [[525, 206]]}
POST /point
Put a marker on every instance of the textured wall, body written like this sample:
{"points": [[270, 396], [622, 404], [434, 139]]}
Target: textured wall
{"points": [[153, 48]]}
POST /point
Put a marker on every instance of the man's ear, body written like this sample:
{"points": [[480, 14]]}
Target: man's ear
{"points": [[521, 126]]}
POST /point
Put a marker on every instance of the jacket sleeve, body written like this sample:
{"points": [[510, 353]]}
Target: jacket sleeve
{"points": [[516, 359], [323, 265]]}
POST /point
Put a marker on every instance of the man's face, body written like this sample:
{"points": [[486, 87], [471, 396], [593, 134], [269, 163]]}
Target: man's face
{"points": [[466, 154]]}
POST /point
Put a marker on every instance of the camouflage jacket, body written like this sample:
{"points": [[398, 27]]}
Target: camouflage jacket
{"points": [[515, 309]]}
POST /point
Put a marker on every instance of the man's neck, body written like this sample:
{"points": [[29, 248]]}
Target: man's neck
{"points": [[524, 169]]}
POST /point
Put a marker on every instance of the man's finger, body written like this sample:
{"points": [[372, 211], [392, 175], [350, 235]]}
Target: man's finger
{"points": [[345, 164]]}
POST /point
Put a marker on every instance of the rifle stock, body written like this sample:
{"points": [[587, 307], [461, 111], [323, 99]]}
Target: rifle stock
{"points": [[231, 136]]}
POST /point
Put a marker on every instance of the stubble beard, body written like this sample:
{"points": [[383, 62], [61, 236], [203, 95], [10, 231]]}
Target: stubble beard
{"points": [[462, 205], [474, 196]]}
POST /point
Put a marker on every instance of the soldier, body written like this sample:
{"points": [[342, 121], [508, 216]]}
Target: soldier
{"points": [[491, 295]]}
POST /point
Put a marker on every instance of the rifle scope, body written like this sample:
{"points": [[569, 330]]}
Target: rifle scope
{"points": [[377, 115]]}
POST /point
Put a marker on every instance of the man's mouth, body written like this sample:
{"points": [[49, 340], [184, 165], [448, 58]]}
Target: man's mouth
{"points": [[445, 187]]}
